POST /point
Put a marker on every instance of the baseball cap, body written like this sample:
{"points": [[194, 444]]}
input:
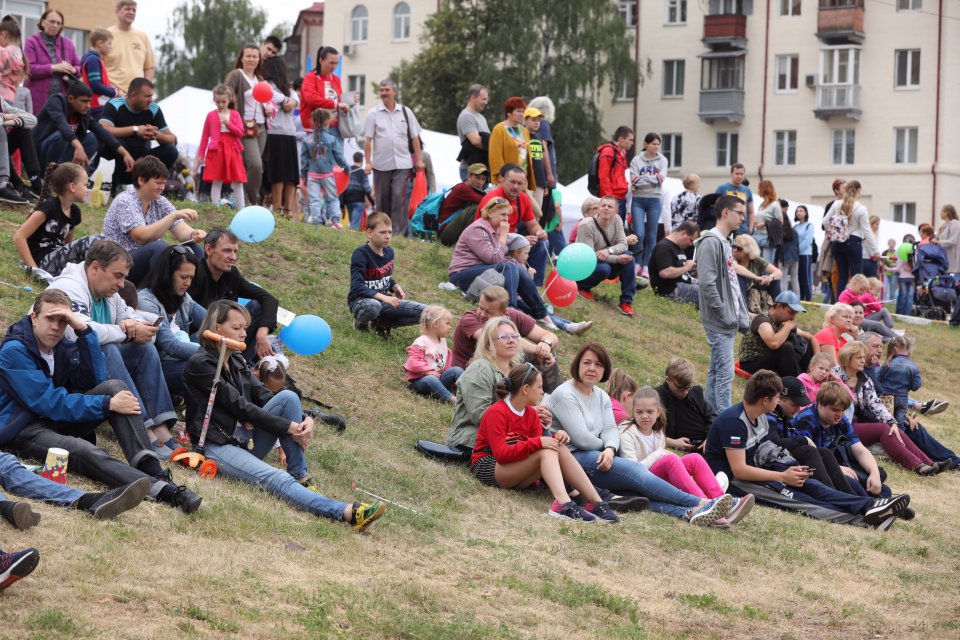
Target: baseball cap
{"points": [[792, 300], [532, 112], [516, 241], [794, 390], [477, 169]]}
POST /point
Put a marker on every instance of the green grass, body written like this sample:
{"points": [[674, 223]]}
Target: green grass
{"points": [[476, 562]]}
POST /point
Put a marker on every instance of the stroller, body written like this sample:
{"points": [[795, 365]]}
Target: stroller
{"points": [[936, 292]]}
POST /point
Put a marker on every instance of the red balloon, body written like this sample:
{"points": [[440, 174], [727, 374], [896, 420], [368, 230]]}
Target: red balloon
{"points": [[342, 178], [560, 291], [262, 92]]}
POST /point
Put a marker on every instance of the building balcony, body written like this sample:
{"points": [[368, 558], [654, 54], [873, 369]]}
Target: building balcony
{"points": [[725, 30], [840, 22], [838, 100], [721, 104]]}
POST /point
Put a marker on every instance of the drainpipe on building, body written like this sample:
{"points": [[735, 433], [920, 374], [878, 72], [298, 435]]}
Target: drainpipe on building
{"points": [[763, 117], [936, 120], [636, 78]]}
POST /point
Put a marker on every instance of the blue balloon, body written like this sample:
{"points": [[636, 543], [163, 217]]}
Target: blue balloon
{"points": [[576, 262], [307, 335], [253, 224]]}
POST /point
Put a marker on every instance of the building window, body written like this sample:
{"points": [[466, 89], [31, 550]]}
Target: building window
{"points": [[358, 83], [843, 144], [905, 145], [625, 90], [727, 146], [676, 11], [786, 148], [726, 7], [628, 12], [722, 73], [401, 21], [840, 66], [907, 68], [787, 73], [673, 72], [671, 147], [904, 212], [909, 5], [27, 14], [789, 7], [358, 24]]}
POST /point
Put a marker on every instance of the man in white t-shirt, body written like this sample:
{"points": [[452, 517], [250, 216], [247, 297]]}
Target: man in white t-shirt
{"points": [[132, 54], [471, 123]]}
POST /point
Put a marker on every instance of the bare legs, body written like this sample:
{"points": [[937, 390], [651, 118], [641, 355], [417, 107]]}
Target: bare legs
{"points": [[554, 467]]}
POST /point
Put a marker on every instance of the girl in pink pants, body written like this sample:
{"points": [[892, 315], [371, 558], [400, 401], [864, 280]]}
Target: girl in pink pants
{"points": [[642, 439]]}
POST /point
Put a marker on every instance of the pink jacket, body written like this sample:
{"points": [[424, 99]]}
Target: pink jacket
{"points": [[424, 356], [210, 138]]}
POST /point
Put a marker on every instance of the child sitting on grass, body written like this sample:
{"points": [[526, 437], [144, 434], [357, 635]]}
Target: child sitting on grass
{"points": [[873, 305], [819, 371], [375, 298], [428, 359], [858, 290]]}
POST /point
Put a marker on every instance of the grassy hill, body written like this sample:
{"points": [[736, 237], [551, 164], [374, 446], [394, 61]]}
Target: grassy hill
{"points": [[473, 562]]}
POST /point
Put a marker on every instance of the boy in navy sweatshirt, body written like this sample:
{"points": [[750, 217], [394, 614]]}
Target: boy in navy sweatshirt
{"points": [[94, 73]]}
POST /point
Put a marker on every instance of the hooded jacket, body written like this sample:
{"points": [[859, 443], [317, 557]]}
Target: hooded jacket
{"points": [[73, 282], [722, 308], [29, 392], [648, 174]]}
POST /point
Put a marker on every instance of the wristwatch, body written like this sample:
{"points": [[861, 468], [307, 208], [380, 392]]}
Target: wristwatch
{"points": [[136, 130]]}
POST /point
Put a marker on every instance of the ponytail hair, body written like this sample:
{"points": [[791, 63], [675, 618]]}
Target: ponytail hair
{"points": [[519, 375], [849, 197], [897, 344]]}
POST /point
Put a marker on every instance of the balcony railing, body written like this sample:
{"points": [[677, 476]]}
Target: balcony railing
{"points": [[840, 24], [721, 104], [838, 100], [725, 29]]}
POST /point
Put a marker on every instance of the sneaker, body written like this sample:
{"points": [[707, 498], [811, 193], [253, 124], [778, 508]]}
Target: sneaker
{"points": [[9, 194], [16, 565], [628, 504], [721, 523], [942, 465], [362, 327], [740, 508], [335, 420], [163, 451], [880, 509], [366, 514], [587, 295], [26, 193], [570, 511], [20, 514], [645, 273], [908, 514], [723, 481], [107, 506], [602, 512], [336, 225], [186, 500], [711, 511], [887, 523], [933, 407], [547, 324], [900, 332], [626, 309], [642, 283], [383, 331], [578, 328]]}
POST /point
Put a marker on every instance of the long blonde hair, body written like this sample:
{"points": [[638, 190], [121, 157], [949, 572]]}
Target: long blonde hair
{"points": [[850, 193], [486, 349]]}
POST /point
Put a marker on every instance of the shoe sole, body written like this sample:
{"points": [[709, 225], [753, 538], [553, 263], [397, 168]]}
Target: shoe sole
{"points": [[894, 508], [360, 527], [24, 517], [720, 509], [128, 499], [560, 516], [886, 524], [579, 331], [742, 510], [12, 201], [632, 504], [624, 313], [20, 569], [937, 408]]}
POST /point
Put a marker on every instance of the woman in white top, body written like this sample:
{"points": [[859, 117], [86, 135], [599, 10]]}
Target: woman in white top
{"points": [[245, 75], [860, 242], [949, 235]]}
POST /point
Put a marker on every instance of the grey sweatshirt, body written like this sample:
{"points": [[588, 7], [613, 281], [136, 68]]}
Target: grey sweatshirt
{"points": [[722, 308], [646, 176], [587, 420]]}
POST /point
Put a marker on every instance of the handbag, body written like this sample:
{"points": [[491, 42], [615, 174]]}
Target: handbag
{"points": [[349, 123], [251, 129]]}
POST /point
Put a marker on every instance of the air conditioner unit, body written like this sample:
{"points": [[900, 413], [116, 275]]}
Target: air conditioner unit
{"points": [[349, 49], [812, 80]]}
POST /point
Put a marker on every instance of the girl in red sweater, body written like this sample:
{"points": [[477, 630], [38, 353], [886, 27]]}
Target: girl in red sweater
{"points": [[511, 451]]}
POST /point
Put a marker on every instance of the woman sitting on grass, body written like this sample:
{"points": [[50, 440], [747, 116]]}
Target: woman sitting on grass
{"points": [[837, 329], [241, 399], [512, 451]]}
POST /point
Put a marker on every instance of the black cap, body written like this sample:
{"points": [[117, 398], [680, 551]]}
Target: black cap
{"points": [[794, 390]]}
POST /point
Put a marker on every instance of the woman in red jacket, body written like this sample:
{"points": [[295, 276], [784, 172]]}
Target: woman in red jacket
{"points": [[511, 451], [321, 90]]}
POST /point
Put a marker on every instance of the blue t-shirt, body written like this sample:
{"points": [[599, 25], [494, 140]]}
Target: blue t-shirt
{"points": [[807, 424], [744, 193], [733, 429]]}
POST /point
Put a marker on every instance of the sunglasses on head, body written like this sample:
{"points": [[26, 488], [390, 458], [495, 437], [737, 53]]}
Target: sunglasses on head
{"points": [[530, 370]]}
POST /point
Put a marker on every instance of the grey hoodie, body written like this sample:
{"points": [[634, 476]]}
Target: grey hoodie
{"points": [[646, 176], [722, 308]]}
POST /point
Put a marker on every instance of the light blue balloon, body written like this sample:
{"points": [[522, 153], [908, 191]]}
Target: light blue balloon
{"points": [[307, 335], [253, 224], [576, 261]]}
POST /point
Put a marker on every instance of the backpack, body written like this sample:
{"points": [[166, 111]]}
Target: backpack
{"points": [[838, 227], [423, 224], [593, 173]]}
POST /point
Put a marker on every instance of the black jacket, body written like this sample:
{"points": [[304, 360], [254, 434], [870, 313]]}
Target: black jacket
{"points": [[232, 285], [687, 418], [240, 398], [55, 117]]}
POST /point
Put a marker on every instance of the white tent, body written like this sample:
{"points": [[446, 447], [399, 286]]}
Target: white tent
{"points": [[185, 111]]}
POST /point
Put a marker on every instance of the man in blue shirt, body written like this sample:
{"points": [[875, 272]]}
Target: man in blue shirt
{"points": [[735, 187]]}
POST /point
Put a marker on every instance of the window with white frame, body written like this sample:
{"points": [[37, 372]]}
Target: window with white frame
{"points": [[905, 145], [358, 83], [628, 12], [676, 12], [358, 24], [625, 90], [671, 146], [840, 65], [673, 72], [787, 73], [785, 151], [726, 7], [401, 21], [789, 7], [844, 141], [909, 5], [728, 143], [904, 212], [907, 62], [27, 14]]}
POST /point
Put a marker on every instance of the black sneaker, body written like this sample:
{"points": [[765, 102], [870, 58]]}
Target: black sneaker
{"points": [[882, 508], [335, 420], [570, 511], [107, 506], [26, 193], [602, 511], [933, 407], [19, 514], [908, 514], [16, 565], [362, 327], [628, 504], [383, 331], [186, 500], [9, 194]]}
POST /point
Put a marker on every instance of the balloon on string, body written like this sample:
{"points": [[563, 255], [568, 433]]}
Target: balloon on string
{"points": [[342, 179], [576, 261], [904, 251], [262, 92], [253, 224], [560, 291], [307, 335]]}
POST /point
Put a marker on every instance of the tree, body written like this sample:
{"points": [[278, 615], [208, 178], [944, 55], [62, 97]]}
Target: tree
{"points": [[203, 40], [570, 51]]}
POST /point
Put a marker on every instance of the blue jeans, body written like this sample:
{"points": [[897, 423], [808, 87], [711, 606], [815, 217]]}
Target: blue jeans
{"points": [[138, 366], [355, 211], [557, 242], [931, 446], [849, 257], [907, 288], [538, 256], [516, 280], [440, 388], [806, 293], [15, 478], [173, 375], [370, 310], [720, 372], [626, 272], [890, 286], [323, 203], [285, 404], [815, 492], [54, 148], [646, 217], [634, 477]]}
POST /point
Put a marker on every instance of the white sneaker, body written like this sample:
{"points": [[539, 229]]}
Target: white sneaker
{"points": [[547, 323], [578, 328], [723, 481]]}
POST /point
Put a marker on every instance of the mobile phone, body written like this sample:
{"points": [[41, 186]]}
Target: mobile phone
{"points": [[696, 443], [158, 321], [810, 470]]}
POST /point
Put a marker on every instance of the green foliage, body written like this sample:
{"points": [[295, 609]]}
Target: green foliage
{"points": [[203, 40], [570, 51]]}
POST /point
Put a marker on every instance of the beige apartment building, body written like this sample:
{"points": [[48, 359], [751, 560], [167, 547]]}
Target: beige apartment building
{"points": [[80, 17]]}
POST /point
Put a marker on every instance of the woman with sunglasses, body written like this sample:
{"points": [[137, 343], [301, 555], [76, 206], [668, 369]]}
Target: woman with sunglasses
{"points": [[512, 451], [483, 246], [180, 317]]}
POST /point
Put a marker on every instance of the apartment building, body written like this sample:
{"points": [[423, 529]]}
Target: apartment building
{"points": [[80, 17]]}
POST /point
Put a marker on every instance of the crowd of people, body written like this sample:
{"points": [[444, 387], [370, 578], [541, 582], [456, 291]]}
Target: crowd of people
{"points": [[131, 326]]}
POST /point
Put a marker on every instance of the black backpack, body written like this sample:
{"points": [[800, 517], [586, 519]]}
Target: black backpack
{"points": [[593, 173]]}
